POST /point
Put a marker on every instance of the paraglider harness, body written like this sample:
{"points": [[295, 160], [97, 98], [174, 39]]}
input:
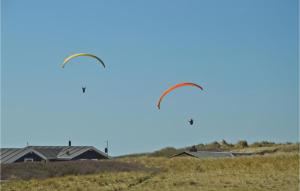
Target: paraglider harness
{"points": [[83, 89], [191, 121]]}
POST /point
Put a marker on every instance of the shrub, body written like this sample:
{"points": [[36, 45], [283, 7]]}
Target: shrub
{"points": [[242, 144]]}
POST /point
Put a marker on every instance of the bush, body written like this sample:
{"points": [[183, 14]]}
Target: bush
{"points": [[242, 144], [263, 144], [214, 146]]}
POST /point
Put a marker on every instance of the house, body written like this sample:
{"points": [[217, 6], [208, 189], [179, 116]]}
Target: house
{"points": [[193, 152], [50, 153], [203, 154]]}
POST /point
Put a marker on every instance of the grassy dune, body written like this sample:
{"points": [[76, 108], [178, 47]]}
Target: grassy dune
{"points": [[274, 172], [262, 147], [268, 172]]}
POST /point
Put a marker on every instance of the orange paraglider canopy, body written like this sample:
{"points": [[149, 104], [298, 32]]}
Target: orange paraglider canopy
{"points": [[174, 87]]}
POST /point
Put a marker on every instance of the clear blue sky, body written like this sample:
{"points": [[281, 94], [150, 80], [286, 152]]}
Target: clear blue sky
{"points": [[244, 54]]}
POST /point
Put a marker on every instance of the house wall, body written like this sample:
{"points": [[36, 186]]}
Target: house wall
{"points": [[90, 155], [32, 155]]}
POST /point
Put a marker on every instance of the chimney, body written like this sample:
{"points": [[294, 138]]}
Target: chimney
{"points": [[106, 149], [70, 143]]}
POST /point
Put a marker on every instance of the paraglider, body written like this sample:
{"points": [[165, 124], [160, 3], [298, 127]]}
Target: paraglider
{"points": [[191, 121], [173, 88], [83, 89], [79, 55]]}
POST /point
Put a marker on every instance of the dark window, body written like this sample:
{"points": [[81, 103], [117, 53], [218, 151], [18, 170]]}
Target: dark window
{"points": [[28, 159]]}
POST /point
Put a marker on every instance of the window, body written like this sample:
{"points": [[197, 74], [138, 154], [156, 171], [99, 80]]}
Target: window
{"points": [[28, 159]]}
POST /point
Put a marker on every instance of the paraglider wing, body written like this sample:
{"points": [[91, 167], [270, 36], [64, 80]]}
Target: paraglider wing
{"points": [[81, 54], [174, 87]]}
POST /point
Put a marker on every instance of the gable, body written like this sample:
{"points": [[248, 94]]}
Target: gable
{"points": [[51, 153], [29, 155], [90, 154], [205, 154], [184, 154]]}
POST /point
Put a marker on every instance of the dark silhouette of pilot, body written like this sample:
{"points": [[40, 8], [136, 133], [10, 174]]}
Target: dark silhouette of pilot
{"points": [[191, 121], [83, 89]]}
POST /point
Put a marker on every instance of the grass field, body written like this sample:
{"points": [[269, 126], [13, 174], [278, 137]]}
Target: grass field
{"points": [[279, 171]]}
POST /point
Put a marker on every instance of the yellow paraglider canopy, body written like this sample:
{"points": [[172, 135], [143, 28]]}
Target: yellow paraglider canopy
{"points": [[81, 54]]}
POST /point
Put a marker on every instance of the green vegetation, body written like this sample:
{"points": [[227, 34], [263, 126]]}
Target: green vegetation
{"points": [[276, 170]]}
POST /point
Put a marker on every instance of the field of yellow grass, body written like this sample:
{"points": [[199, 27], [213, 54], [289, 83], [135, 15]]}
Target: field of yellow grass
{"points": [[278, 171]]}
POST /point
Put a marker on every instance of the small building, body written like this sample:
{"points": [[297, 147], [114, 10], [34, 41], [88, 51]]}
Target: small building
{"points": [[204, 154], [50, 153]]}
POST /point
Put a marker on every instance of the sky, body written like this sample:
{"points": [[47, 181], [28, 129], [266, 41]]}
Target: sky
{"points": [[243, 53]]}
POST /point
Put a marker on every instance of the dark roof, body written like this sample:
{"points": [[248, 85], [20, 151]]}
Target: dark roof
{"points": [[205, 154], [71, 152], [50, 152], [9, 155], [243, 153]]}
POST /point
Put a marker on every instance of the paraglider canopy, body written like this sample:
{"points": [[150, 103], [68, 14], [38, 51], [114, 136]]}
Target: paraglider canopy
{"points": [[82, 54], [173, 88]]}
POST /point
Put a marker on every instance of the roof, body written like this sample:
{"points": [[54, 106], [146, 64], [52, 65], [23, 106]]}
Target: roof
{"points": [[50, 152], [10, 155], [243, 153], [205, 154], [71, 152]]}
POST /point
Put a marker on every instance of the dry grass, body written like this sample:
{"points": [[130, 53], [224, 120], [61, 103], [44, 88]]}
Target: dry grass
{"points": [[272, 172], [262, 147], [105, 181], [283, 148], [40, 170]]}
